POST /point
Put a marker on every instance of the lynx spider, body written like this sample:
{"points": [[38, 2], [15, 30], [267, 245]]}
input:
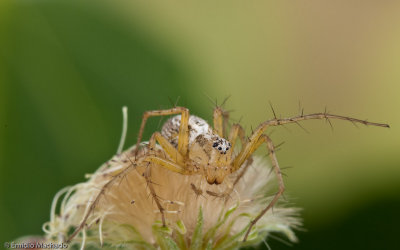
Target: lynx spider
{"points": [[192, 147]]}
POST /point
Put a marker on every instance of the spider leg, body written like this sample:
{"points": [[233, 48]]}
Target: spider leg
{"points": [[99, 196], [172, 152], [172, 166], [248, 163], [220, 121], [119, 174], [183, 139], [319, 116], [147, 175], [257, 138], [275, 165], [175, 165], [236, 131], [252, 144]]}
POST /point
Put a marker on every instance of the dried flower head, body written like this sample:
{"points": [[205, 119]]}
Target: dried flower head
{"points": [[126, 214], [118, 207]]}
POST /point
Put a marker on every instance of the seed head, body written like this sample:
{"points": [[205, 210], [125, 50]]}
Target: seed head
{"points": [[198, 215]]}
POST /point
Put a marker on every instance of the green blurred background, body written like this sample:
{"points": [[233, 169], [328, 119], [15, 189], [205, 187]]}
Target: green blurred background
{"points": [[67, 68]]}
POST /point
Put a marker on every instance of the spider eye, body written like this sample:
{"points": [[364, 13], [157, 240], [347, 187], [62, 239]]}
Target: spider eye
{"points": [[215, 144], [219, 148]]}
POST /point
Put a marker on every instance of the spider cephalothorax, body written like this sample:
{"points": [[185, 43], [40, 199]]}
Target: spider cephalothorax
{"points": [[208, 152]]}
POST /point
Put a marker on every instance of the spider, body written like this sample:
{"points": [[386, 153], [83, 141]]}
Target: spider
{"points": [[192, 147]]}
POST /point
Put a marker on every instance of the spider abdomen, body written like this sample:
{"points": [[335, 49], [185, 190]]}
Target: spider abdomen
{"points": [[196, 125]]}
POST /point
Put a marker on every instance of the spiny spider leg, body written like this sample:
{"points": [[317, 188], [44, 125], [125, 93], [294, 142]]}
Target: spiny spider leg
{"points": [[167, 147], [220, 121], [248, 163], [275, 166], [251, 145], [257, 138], [177, 166], [225, 122], [183, 141], [172, 166], [183, 137], [236, 131], [98, 197], [167, 164], [150, 159], [147, 176]]}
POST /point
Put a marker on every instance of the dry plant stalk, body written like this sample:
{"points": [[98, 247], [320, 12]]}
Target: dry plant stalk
{"points": [[187, 188]]}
